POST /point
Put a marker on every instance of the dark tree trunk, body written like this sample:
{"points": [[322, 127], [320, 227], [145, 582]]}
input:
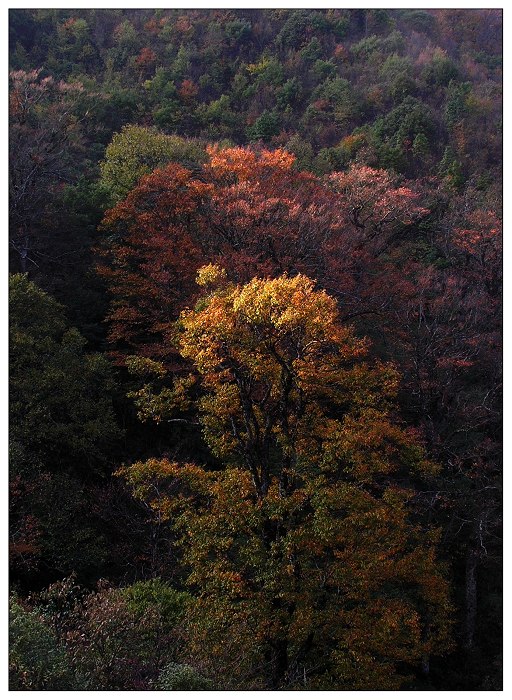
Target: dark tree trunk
{"points": [[471, 597], [279, 658]]}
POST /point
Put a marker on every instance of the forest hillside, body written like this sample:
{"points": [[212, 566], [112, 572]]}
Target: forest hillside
{"points": [[255, 349]]}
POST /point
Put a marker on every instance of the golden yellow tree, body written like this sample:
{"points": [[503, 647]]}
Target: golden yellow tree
{"points": [[308, 569]]}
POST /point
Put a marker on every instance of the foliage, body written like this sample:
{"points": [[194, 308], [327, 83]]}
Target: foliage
{"points": [[146, 597], [373, 200], [370, 45], [63, 427], [181, 677], [405, 121], [441, 69], [252, 211], [456, 104], [384, 184], [161, 214], [265, 126], [286, 400], [119, 638], [37, 661], [44, 136], [137, 151], [61, 409]]}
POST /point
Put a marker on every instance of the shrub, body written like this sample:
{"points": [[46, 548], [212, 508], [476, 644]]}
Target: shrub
{"points": [[182, 677], [37, 661]]}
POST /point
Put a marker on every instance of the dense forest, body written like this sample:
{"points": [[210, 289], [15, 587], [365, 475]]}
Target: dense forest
{"points": [[255, 349]]}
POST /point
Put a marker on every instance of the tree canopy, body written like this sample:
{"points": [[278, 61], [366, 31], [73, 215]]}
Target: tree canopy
{"points": [[255, 349], [308, 567]]}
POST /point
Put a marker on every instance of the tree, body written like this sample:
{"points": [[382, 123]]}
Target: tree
{"points": [[37, 660], [44, 139], [150, 257], [218, 117], [394, 134], [75, 43], [66, 637], [181, 677], [442, 324], [461, 390], [249, 209], [441, 69], [266, 218], [121, 638], [265, 126], [309, 569], [374, 202], [60, 403], [482, 244], [137, 151], [62, 426]]}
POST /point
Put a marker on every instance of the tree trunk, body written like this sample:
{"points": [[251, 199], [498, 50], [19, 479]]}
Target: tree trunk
{"points": [[471, 597], [279, 663]]}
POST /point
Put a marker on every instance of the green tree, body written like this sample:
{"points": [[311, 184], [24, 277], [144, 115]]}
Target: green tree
{"points": [[441, 69], [451, 169], [393, 135], [312, 51], [181, 677], [238, 30], [456, 102], [137, 151], [337, 92], [294, 29], [75, 43], [218, 117], [396, 72], [181, 64], [60, 396], [265, 126], [268, 71], [37, 660], [420, 146], [288, 94], [62, 431], [371, 46]]}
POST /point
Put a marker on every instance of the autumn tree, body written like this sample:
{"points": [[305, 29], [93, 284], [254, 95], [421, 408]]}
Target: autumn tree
{"points": [[441, 324], [265, 217], [252, 210], [453, 375], [309, 570], [376, 203], [480, 239], [150, 257]]}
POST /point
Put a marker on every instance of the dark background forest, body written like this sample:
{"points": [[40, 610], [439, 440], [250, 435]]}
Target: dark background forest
{"points": [[255, 349]]}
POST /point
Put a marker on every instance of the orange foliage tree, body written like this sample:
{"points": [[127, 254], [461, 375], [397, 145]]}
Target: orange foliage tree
{"points": [[249, 211], [308, 570], [151, 256]]}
